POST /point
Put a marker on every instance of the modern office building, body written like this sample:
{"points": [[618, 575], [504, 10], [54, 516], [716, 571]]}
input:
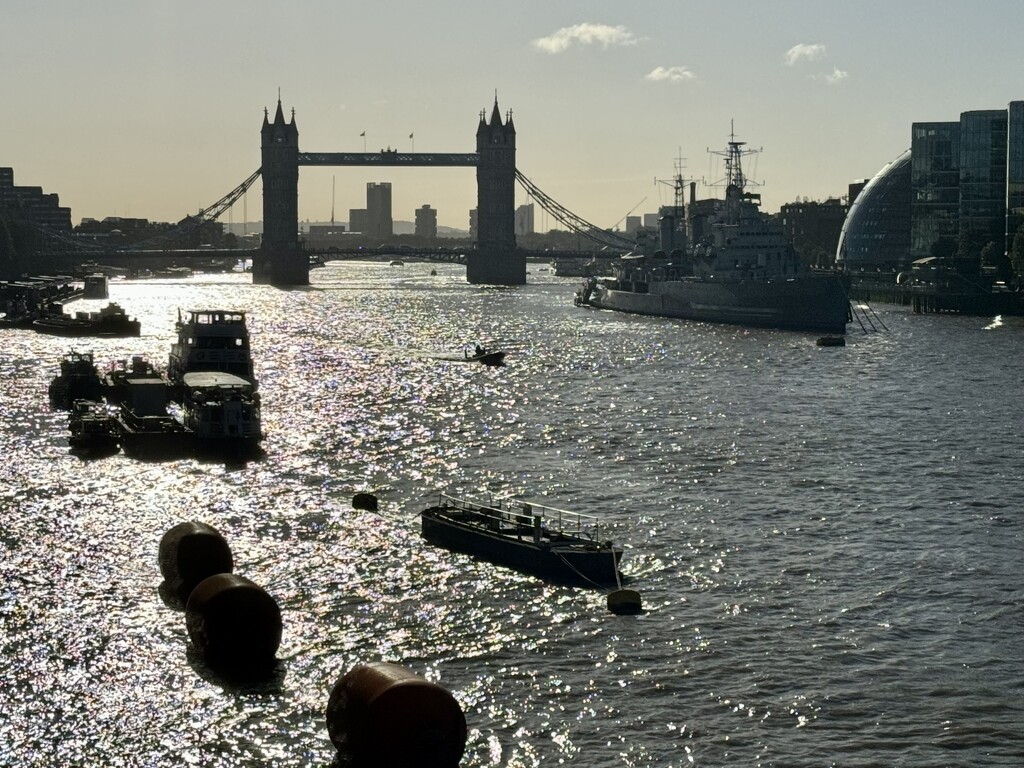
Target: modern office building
{"points": [[426, 222], [1014, 170], [378, 210], [524, 220], [958, 191], [935, 185], [32, 205]]}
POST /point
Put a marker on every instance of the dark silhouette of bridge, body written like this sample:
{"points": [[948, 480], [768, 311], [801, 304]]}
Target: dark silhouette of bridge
{"points": [[495, 260], [282, 259]]}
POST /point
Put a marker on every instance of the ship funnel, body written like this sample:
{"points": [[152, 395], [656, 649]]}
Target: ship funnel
{"points": [[667, 232]]}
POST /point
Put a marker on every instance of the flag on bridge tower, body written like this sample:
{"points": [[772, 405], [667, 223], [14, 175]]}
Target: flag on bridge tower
{"points": [[363, 134], [410, 135]]}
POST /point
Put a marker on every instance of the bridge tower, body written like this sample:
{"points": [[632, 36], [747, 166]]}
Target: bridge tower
{"points": [[281, 260], [496, 261]]}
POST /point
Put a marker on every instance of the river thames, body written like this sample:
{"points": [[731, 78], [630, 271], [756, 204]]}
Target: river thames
{"points": [[829, 542]]}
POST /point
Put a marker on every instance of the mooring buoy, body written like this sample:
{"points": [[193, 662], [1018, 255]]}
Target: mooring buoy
{"points": [[365, 501], [625, 602], [383, 714], [233, 623], [190, 552]]}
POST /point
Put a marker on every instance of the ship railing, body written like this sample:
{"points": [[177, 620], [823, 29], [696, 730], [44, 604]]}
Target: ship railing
{"points": [[506, 511]]}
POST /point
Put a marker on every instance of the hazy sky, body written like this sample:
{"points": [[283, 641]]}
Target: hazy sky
{"points": [[152, 109]]}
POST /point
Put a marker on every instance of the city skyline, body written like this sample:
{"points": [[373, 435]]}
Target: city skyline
{"points": [[140, 111]]}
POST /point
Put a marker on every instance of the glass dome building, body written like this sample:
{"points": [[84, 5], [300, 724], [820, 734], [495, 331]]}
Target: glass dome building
{"points": [[876, 233]]}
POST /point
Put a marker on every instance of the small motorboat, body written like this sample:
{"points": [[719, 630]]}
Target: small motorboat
{"points": [[542, 541], [486, 356]]}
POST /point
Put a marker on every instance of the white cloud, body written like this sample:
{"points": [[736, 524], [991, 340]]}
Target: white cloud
{"points": [[804, 52], [585, 34], [671, 74], [837, 75]]}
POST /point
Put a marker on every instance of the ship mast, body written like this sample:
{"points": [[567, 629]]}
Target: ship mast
{"points": [[735, 182], [733, 164], [678, 193]]}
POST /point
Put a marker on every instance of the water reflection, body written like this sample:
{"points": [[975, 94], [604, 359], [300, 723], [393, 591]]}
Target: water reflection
{"points": [[787, 516]]}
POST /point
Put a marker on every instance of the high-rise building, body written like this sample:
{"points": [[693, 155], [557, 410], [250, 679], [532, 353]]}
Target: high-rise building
{"points": [[524, 220], [632, 224], [426, 222], [378, 210]]}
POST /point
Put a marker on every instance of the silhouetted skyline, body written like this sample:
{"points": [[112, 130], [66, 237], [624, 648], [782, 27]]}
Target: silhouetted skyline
{"points": [[154, 110]]}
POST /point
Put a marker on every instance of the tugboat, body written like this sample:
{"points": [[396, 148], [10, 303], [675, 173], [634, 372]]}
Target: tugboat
{"points": [[542, 541], [210, 340], [743, 272], [222, 412], [93, 429], [78, 380]]}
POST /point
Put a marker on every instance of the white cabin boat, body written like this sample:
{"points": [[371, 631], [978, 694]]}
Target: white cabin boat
{"points": [[211, 340], [221, 411]]}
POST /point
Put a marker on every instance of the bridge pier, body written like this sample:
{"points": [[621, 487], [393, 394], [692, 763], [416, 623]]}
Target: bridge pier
{"points": [[496, 267], [282, 262], [280, 268]]}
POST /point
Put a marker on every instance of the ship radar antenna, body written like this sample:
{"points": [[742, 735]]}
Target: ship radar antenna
{"points": [[733, 154]]}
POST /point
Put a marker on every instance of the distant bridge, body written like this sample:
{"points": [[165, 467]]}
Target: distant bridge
{"points": [[282, 259], [227, 257], [440, 254]]}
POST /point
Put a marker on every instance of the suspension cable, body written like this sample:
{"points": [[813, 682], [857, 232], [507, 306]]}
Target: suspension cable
{"points": [[569, 219]]}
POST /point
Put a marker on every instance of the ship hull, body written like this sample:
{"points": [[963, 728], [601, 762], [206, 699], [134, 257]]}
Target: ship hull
{"points": [[812, 303]]}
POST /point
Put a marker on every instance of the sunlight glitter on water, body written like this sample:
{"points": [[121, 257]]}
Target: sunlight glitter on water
{"points": [[787, 517]]}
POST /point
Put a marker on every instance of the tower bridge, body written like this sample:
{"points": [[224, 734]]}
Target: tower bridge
{"points": [[282, 260]]}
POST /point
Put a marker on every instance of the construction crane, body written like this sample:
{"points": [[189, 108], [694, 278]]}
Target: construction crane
{"points": [[616, 224]]}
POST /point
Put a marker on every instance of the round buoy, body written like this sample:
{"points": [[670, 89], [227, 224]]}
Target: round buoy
{"points": [[233, 623], [365, 501], [383, 714], [191, 552], [625, 602]]}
